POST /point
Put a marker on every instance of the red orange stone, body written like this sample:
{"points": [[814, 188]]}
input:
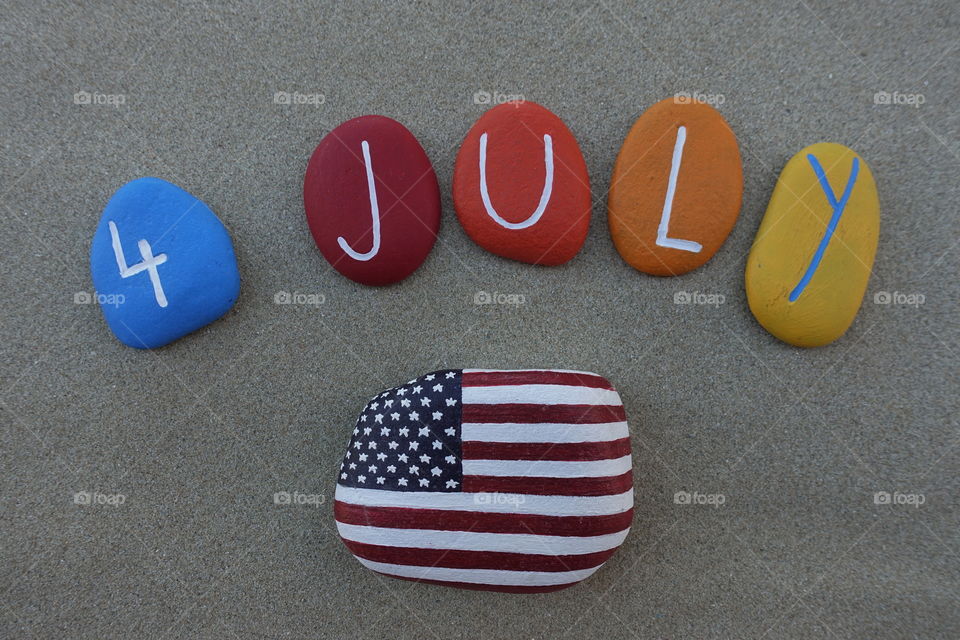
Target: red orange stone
{"points": [[520, 185]]}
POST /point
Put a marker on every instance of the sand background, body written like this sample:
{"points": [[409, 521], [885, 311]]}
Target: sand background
{"points": [[198, 436]]}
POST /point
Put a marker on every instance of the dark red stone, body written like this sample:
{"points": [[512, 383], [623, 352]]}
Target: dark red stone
{"points": [[336, 197]]}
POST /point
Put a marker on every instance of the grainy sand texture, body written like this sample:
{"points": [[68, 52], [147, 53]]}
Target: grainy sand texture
{"points": [[197, 437]]}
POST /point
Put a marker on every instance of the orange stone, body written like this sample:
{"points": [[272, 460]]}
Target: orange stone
{"points": [[676, 188]]}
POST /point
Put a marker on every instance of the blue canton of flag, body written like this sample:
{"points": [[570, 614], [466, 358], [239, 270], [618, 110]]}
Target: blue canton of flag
{"points": [[408, 438]]}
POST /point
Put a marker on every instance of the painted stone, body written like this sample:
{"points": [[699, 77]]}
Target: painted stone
{"points": [[515, 481], [676, 188], [520, 185], [162, 264], [809, 265], [372, 200]]}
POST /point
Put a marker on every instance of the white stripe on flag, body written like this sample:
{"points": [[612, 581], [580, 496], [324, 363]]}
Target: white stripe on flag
{"points": [[481, 576], [548, 468], [494, 503], [539, 394], [513, 432], [474, 541]]}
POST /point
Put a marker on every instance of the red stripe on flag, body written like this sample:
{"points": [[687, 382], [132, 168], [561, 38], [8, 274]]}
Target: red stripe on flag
{"points": [[549, 486], [499, 378], [458, 559], [481, 522], [486, 587], [571, 451], [543, 413]]}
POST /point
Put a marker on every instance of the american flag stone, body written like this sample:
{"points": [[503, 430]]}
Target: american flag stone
{"points": [[517, 481]]}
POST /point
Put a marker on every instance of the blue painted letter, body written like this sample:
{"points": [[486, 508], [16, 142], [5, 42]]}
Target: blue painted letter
{"points": [[838, 207]]}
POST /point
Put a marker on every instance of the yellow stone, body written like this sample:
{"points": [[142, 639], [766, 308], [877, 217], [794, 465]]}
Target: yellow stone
{"points": [[813, 254]]}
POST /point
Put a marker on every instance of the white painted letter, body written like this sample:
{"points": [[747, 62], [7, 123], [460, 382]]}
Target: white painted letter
{"points": [[662, 239], [544, 197], [374, 213]]}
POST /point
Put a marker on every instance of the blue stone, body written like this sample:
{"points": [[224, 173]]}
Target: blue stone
{"points": [[162, 264]]}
